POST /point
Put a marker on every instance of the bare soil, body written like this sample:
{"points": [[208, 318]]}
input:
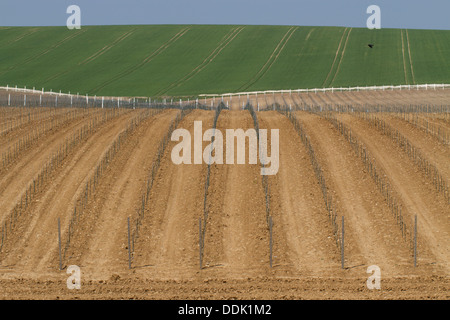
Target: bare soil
{"points": [[165, 265]]}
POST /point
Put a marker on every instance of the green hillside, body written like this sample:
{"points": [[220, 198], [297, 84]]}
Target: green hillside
{"points": [[182, 60]]}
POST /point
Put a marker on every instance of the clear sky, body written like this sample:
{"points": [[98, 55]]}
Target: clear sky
{"points": [[413, 14]]}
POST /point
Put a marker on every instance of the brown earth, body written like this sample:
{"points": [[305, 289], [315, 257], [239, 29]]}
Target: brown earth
{"points": [[30, 250]]}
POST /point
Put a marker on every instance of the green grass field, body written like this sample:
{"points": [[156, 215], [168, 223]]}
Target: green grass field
{"points": [[182, 60]]}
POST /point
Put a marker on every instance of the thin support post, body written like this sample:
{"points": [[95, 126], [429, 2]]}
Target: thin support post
{"points": [[129, 244], [415, 241], [59, 244], [270, 240], [200, 242], [342, 243]]}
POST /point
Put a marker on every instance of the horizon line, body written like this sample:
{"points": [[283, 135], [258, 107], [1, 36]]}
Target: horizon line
{"points": [[218, 24]]}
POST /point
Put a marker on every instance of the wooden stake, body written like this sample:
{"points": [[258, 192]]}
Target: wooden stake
{"points": [[415, 241], [129, 245], [59, 244], [271, 240], [342, 243], [200, 241]]}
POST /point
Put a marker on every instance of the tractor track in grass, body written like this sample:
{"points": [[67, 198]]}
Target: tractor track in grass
{"points": [[145, 61], [272, 59], [46, 51], [221, 46], [94, 56], [338, 52]]}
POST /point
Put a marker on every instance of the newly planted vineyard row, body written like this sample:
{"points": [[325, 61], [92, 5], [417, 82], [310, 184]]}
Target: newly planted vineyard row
{"points": [[378, 175], [39, 131], [326, 194], [138, 220], [419, 159], [426, 124], [93, 181], [15, 118], [203, 224]]}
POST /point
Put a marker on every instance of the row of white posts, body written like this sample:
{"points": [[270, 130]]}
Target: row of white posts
{"points": [[222, 96], [56, 100]]}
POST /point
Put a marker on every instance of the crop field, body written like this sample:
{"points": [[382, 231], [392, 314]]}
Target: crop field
{"points": [[89, 121], [187, 60], [96, 187]]}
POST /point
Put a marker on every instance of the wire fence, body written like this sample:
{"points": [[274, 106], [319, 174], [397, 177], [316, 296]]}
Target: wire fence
{"points": [[53, 111], [265, 178], [204, 223], [93, 181], [34, 98], [329, 200], [41, 180], [41, 130], [420, 160], [377, 174], [140, 215], [12, 118], [425, 124]]}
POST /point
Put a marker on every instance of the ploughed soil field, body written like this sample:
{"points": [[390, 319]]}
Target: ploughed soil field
{"points": [[98, 189]]}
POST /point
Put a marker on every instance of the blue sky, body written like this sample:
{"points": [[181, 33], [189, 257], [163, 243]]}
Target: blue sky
{"points": [[413, 14]]}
